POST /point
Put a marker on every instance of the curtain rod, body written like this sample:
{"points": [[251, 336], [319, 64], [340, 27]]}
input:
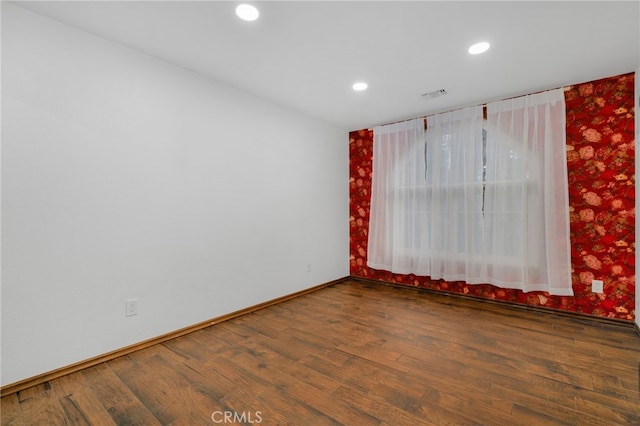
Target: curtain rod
{"points": [[483, 105]]}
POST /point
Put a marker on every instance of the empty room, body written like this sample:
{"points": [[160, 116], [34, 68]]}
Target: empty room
{"points": [[319, 213]]}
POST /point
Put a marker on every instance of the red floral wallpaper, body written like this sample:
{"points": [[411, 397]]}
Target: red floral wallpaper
{"points": [[600, 158]]}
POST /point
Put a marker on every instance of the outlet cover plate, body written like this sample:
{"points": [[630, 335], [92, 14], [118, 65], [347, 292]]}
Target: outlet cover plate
{"points": [[597, 286], [130, 307]]}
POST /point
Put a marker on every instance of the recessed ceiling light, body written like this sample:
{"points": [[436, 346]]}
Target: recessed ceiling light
{"points": [[247, 12], [360, 86], [479, 48]]}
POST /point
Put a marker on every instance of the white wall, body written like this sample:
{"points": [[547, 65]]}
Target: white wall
{"points": [[127, 177]]}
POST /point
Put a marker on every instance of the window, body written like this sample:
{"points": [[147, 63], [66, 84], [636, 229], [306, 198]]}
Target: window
{"points": [[481, 201]]}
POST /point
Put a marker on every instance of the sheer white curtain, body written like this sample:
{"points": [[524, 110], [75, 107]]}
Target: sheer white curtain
{"points": [[526, 199], [395, 228], [480, 202], [452, 246]]}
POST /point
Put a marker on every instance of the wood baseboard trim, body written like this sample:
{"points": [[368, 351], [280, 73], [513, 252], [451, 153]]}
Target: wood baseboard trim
{"points": [[508, 304], [63, 371]]}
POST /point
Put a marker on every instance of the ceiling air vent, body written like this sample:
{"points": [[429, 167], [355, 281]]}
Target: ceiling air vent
{"points": [[436, 94]]}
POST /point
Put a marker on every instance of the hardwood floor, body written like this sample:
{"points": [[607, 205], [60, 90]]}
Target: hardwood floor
{"points": [[360, 354]]}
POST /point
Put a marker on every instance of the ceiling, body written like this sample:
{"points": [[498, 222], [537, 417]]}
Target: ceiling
{"points": [[305, 55]]}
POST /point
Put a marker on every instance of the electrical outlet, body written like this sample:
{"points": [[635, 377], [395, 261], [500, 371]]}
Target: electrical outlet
{"points": [[597, 286], [308, 267], [130, 307]]}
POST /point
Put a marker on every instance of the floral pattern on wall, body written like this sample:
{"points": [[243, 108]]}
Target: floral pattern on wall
{"points": [[601, 164]]}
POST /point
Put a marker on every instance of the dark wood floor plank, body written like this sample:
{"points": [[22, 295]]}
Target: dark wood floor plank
{"points": [[336, 409], [523, 415], [10, 412], [196, 345], [456, 388], [121, 403], [361, 354], [278, 408], [37, 390], [330, 362], [41, 407], [79, 403], [277, 364], [600, 408], [249, 407], [154, 378], [384, 410], [529, 407], [439, 409]]}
